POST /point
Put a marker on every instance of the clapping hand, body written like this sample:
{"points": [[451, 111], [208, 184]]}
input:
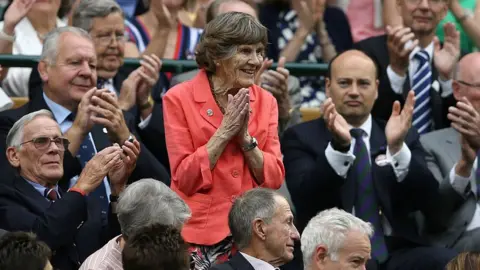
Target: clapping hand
{"points": [[466, 120], [109, 114], [398, 52], [336, 124], [15, 13], [310, 15], [399, 123], [124, 167], [276, 82], [445, 58], [234, 118]]}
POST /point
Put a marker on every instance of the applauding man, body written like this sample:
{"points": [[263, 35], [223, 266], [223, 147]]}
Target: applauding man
{"points": [[410, 57], [453, 159], [372, 169]]}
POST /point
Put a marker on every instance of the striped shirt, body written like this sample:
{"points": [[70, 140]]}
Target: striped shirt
{"points": [[109, 257]]}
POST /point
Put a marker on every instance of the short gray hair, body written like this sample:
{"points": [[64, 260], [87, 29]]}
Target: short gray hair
{"points": [[255, 203], [15, 135], [330, 228], [147, 202], [88, 10], [50, 44]]}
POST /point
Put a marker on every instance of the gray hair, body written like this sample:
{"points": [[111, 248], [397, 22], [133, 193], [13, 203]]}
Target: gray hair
{"points": [[258, 203], [88, 10], [15, 135], [147, 202], [51, 44], [330, 228]]}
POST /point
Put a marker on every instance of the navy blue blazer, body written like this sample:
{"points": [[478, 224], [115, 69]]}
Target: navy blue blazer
{"points": [[71, 226], [237, 262], [315, 186]]}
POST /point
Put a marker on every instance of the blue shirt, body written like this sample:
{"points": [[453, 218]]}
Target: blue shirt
{"points": [[61, 116], [42, 189]]}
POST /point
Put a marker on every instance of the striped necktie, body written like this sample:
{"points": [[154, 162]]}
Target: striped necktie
{"points": [[51, 194], [366, 205], [421, 84]]}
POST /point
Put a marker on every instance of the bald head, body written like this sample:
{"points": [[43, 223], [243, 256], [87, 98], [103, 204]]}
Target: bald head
{"points": [[468, 67], [466, 83], [350, 56], [219, 7]]}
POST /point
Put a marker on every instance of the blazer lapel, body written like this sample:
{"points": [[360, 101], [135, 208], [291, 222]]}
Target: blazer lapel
{"points": [[238, 262], [31, 193], [202, 94]]}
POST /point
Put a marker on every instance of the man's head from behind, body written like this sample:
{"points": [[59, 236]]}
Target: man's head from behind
{"points": [[104, 21], [336, 240], [219, 7], [156, 247], [68, 65], [22, 250], [36, 146], [147, 202], [352, 83], [466, 81], [261, 223], [422, 16]]}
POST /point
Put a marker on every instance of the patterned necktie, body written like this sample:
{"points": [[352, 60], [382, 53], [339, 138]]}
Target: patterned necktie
{"points": [[366, 205], [421, 84], [51, 194], [101, 83], [84, 154]]}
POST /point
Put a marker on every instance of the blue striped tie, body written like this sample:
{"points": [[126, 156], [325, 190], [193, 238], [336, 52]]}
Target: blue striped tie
{"points": [[421, 84], [366, 205]]}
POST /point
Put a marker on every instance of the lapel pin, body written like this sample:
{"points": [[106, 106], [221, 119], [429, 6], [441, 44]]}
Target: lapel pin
{"points": [[436, 86], [210, 112]]}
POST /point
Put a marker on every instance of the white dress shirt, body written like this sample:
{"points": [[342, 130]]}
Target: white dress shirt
{"points": [[396, 82], [258, 264], [341, 162], [459, 184]]}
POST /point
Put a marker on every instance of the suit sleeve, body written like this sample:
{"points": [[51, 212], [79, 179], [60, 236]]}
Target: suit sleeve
{"points": [[310, 178], [56, 227], [273, 169]]}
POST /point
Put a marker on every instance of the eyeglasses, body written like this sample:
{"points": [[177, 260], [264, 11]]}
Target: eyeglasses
{"points": [[106, 39], [469, 84], [42, 143], [430, 2]]}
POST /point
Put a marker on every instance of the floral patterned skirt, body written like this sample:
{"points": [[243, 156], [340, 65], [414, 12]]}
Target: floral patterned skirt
{"points": [[204, 257]]}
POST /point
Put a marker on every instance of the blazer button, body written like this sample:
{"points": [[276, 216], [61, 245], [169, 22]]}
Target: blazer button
{"points": [[235, 173]]}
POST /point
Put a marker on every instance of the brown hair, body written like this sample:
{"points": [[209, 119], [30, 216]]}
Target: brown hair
{"points": [[224, 34], [465, 261]]}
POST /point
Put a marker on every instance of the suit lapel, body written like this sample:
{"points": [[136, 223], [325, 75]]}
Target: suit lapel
{"points": [[238, 262], [31, 193], [207, 107]]}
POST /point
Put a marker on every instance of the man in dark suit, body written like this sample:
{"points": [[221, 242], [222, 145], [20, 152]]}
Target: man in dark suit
{"points": [[65, 219], [409, 58], [138, 90], [262, 228], [91, 119], [453, 159], [373, 169]]}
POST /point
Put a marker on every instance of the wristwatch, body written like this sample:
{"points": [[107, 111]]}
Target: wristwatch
{"points": [[250, 146], [147, 104], [7, 37]]}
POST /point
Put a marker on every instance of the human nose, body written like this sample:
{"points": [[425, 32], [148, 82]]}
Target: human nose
{"points": [[423, 4], [295, 234], [86, 69]]}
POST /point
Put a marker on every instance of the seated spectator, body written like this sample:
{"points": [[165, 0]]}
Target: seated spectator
{"points": [[465, 261], [453, 159], [25, 25], [364, 166], [309, 32], [336, 240], [222, 133], [22, 250], [104, 21], [156, 247], [409, 57], [143, 203], [90, 118], [285, 88], [262, 228], [66, 220], [159, 32]]}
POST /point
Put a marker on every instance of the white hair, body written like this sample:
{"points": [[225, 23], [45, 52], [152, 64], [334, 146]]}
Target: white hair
{"points": [[15, 135], [330, 228], [51, 42]]}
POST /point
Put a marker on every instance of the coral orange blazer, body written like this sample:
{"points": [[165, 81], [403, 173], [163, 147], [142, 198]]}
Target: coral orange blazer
{"points": [[191, 118]]}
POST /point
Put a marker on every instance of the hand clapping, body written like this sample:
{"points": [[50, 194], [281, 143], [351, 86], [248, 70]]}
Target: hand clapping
{"points": [[399, 123], [235, 113]]}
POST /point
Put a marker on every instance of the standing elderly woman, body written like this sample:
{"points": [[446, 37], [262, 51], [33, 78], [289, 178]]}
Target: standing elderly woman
{"points": [[221, 133]]}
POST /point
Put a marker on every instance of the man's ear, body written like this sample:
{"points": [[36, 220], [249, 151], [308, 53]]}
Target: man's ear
{"points": [[259, 229], [457, 92], [43, 70], [320, 256], [328, 82], [12, 156]]}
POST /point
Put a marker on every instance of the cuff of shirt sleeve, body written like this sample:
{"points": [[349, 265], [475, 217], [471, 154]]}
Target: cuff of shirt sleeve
{"points": [[446, 86], [401, 160], [144, 123], [340, 162], [396, 82], [459, 183]]}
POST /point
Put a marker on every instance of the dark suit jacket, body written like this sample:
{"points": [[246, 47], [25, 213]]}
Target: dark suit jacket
{"points": [[70, 226], [376, 47], [237, 262], [315, 186], [153, 135], [147, 165]]}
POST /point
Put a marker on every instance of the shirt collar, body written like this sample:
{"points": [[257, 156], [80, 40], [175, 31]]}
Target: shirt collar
{"points": [[59, 112], [257, 263], [428, 49], [41, 188], [366, 126]]}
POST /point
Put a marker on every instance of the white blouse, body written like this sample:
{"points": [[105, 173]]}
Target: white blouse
{"points": [[26, 42]]}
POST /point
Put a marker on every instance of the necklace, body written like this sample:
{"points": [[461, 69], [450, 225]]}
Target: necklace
{"points": [[215, 95]]}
